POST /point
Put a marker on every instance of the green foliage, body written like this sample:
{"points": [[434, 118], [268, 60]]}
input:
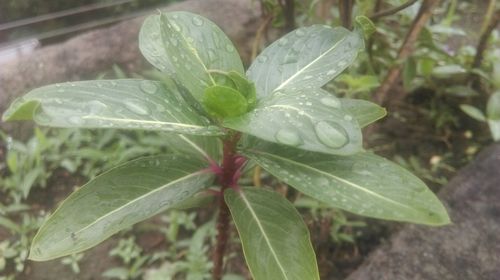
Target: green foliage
{"points": [[298, 132]]}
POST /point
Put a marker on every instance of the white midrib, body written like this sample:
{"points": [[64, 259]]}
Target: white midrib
{"points": [[133, 201], [288, 107], [266, 238], [339, 179], [308, 65], [142, 121]]}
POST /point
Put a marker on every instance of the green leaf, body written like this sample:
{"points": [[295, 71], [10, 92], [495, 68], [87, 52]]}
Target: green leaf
{"points": [[495, 129], [275, 239], [116, 200], [366, 25], [473, 112], [124, 104], [308, 57], [224, 101], [308, 119], [246, 87], [363, 184], [151, 44], [493, 106], [194, 46], [448, 71], [365, 112]]}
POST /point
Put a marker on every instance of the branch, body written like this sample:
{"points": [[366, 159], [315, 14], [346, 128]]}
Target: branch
{"points": [[392, 11], [483, 45], [424, 14], [345, 12]]}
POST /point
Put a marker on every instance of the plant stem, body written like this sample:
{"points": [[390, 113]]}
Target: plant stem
{"points": [[226, 180]]}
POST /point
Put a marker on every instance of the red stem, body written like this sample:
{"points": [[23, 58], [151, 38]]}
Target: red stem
{"points": [[231, 164]]}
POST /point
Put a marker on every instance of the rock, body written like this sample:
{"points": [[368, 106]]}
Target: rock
{"points": [[467, 249], [83, 56]]}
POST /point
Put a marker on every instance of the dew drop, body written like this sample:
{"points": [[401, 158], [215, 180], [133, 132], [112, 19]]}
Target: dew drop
{"points": [[137, 108], [75, 120], [331, 134], [330, 102], [308, 103], [348, 118], [229, 48], [211, 55], [331, 72], [282, 41], [148, 87], [197, 21], [262, 58], [96, 106], [300, 32], [288, 137]]}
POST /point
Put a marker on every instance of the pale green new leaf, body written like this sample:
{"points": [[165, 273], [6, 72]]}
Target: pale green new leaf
{"points": [[311, 120], [308, 57], [275, 239], [123, 104], [116, 200], [365, 112], [363, 184], [195, 46]]}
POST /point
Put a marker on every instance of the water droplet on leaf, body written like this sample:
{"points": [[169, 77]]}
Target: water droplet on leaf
{"points": [[288, 137], [331, 102], [197, 21], [136, 107], [148, 87], [331, 134]]}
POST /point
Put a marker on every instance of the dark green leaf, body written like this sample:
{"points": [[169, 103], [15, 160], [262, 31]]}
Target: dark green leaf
{"points": [[195, 46], [308, 57], [363, 183], [308, 119], [116, 200], [151, 44], [275, 239], [124, 104]]}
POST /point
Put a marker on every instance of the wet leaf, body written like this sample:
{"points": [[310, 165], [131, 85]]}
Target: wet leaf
{"points": [[123, 104], [195, 46], [308, 57], [312, 120], [365, 112], [275, 239], [116, 200], [363, 183]]}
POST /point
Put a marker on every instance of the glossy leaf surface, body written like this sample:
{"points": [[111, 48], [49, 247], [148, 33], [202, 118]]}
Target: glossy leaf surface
{"points": [[151, 44], [194, 46], [116, 200], [493, 107], [124, 104], [275, 239], [312, 120], [363, 183], [365, 112], [308, 57]]}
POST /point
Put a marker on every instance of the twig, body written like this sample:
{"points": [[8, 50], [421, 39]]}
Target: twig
{"points": [[392, 11], [345, 11], [258, 35], [288, 8], [424, 14], [482, 46], [229, 168]]}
